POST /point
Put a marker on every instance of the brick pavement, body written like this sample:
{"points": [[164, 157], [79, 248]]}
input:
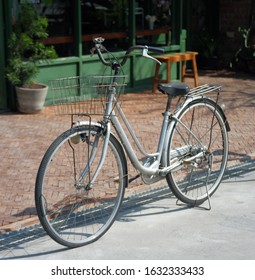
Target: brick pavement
{"points": [[25, 138]]}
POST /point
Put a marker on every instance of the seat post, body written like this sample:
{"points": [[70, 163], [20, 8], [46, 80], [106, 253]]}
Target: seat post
{"points": [[165, 123], [169, 102]]}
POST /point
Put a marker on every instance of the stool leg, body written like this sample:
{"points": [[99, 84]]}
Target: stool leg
{"points": [[194, 65], [155, 80]]}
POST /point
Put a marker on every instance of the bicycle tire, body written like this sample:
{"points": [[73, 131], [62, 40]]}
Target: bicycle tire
{"points": [[193, 181], [71, 213]]}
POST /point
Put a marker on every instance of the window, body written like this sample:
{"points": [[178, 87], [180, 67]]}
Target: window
{"points": [[60, 16], [110, 19], [106, 18]]}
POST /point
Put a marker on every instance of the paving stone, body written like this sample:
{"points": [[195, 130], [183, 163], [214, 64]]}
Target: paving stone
{"points": [[25, 138]]}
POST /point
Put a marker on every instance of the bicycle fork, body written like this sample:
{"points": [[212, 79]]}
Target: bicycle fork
{"points": [[107, 131], [79, 183]]}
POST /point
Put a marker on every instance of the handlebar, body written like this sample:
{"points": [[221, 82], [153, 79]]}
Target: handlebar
{"points": [[99, 48]]}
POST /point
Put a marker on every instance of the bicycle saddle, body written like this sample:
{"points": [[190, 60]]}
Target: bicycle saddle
{"points": [[174, 89]]}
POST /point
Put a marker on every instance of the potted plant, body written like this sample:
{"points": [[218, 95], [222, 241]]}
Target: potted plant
{"points": [[25, 50], [208, 54], [245, 55]]}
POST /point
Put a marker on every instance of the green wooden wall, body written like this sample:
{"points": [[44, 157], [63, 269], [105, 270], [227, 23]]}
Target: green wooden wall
{"points": [[139, 70]]}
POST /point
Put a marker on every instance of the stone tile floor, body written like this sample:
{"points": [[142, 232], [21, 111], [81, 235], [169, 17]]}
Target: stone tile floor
{"points": [[25, 138]]}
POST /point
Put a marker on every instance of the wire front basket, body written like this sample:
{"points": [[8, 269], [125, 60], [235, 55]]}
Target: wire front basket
{"points": [[85, 95]]}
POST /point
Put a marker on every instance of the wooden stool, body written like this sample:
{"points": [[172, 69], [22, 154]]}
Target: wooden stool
{"points": [[176, 57]]}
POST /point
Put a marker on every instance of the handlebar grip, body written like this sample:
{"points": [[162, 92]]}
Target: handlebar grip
{"points": [[156, 49]]}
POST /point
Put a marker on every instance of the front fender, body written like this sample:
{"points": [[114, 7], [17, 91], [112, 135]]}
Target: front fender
{"points": [[88, 123]]}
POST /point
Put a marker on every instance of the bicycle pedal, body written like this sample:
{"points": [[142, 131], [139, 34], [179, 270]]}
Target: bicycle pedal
{"points": [[190, 164]]}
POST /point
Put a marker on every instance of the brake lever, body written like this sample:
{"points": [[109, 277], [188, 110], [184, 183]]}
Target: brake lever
{"points": [[92, 51], [146, 55], [98, 47], [98, 42]]}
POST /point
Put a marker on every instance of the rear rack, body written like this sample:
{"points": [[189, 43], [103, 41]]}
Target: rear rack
{"points": [[206, 88]]}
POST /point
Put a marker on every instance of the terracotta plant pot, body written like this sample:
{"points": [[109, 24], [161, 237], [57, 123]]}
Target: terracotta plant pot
{"points": [[31, 98]]}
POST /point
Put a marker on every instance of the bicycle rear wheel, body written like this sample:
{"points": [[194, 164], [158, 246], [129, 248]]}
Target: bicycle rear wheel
{"points": [[200, 150], [73, 212]]}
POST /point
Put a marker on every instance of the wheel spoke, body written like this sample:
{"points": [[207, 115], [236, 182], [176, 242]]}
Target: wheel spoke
{"points": [[72, 214], [201, 127]]}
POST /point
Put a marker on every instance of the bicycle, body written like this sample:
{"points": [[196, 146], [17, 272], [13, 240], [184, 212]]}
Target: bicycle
{"points": [[82, 178]]}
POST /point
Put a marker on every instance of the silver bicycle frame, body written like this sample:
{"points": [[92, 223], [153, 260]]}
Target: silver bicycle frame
{"points": [[166, 130], [150, 167], [155, 164]]}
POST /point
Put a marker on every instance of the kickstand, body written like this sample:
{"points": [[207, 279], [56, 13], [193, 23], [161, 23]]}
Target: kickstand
{"points": [[208, 196], [178, 203]]}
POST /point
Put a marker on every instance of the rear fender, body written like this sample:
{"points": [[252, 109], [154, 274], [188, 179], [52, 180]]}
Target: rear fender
{"points": [[176, 115], [209, 100]]}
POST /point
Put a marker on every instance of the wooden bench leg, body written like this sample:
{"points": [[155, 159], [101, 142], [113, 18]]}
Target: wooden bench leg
{"points": [[183, 64], [194, 66], [194, 69]]}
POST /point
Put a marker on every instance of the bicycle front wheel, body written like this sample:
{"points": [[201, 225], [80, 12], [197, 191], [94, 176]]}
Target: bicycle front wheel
{"points": [[73, 211], [199, 147]]}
